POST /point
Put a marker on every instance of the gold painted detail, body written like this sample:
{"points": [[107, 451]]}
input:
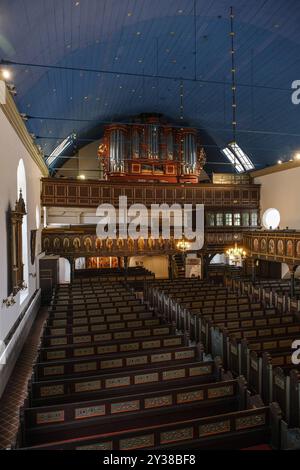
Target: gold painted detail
{"points": [[210, 429], [156, 402], [126, 406], [250, 421], [138, 442], [188, 397], [177, 435], [52, 390], [50, 417], [89, 412], [225, 391], [88, 386]]}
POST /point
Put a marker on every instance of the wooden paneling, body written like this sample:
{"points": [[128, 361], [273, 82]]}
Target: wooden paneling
{"points": [[91, 193]]}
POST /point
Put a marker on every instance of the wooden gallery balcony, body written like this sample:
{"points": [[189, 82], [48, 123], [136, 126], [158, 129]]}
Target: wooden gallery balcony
{"points": [[91, 193], [274, 245], [82, 241], [230, 210]]}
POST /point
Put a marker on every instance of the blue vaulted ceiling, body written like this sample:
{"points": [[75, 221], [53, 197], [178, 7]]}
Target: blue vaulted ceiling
{"points": [[79, 64]]}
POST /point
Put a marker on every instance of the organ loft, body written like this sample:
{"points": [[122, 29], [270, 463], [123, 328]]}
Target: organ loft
{"points": [[149, 230]]}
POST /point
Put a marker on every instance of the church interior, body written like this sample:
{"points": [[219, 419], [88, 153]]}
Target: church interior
{"points": [[150, 225]]}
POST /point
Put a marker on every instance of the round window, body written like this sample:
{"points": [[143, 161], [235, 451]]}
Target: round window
{"points": [[271, 219]]}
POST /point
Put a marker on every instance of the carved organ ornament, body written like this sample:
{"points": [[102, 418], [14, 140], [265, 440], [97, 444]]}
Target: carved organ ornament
{"points": [[149, 149]]}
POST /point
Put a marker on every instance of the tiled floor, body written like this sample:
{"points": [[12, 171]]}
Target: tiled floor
{"points": [[16, 389]]}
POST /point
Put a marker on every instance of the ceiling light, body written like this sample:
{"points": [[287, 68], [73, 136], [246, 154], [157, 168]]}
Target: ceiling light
{"points": [[297, 156], [279, 162], [180, 11], [6, 74], [138, 33], [129, 13], [77, 4]]}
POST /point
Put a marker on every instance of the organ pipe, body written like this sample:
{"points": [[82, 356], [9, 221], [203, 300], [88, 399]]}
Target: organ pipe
{"points": [[136, 149]]}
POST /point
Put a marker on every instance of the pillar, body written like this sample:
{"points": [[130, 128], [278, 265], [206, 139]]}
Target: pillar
{"points": [[205, 266], [292, 270], [253, 267], [170, 267], [72, 269]]}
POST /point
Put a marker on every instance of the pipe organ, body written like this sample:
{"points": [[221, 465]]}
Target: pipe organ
{"points": [[151, 149]]}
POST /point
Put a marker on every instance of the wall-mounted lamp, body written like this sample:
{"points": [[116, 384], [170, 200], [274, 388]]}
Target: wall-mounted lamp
{"points": [[9, 301], [12, 89]]}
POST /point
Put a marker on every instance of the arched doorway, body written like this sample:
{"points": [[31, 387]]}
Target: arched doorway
{"points": [[64, 269]]}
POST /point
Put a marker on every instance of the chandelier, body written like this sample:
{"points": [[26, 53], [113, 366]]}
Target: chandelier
{"points": [[236, 254], [183, 245]]}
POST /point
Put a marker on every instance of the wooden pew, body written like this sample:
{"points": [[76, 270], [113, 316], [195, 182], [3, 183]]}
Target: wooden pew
{"points": [[99, 348], [87, 337], [108, 315], [135, 381], [97, 364], [95, 323], [225, 431], [103, 327], [50, 423]]}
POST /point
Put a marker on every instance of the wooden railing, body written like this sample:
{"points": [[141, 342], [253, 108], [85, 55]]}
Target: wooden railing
{"points": [[91, 193], [274, 245]]}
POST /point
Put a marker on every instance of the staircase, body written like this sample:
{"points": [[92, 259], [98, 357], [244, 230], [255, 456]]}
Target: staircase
{"points": [[180, 268]]}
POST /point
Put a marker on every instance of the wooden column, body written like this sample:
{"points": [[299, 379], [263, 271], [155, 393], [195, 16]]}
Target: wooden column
{"points": [[292, 270], [170, 267], [253, 269]]}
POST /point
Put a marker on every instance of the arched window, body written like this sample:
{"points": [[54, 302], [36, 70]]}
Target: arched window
{"points": [[21, 185]]}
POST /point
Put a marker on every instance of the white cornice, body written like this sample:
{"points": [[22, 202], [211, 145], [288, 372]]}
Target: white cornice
{"points": [[11, 112], [276, 168]]}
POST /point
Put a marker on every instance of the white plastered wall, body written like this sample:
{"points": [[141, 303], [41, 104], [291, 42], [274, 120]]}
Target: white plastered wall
{"points": [[11, 151]]}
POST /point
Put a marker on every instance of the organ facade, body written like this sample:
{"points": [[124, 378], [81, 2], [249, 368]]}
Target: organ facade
{"points": [[150, 148]]}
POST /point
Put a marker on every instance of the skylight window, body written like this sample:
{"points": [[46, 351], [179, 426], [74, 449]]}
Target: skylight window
{"points": [[233, 159], [60, 149], [244, 159], [238, 158]]}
